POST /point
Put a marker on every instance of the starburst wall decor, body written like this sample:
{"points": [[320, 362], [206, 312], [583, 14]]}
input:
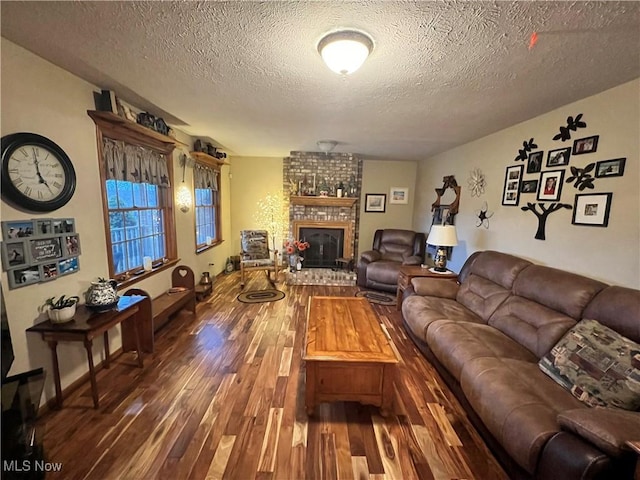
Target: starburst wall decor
{"points": [[476, 182]]}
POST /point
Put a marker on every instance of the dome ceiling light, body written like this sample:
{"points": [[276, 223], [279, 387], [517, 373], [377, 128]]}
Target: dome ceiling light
{"points": [[345, 51]]}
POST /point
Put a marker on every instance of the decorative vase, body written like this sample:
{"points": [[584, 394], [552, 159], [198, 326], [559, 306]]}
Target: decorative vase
{"points": [[61, 315], [293, 260], [299, 264], [102, 294]]}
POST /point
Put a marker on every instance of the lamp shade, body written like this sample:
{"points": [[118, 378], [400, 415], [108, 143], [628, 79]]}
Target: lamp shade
{"points": [[345, 51], [443, 236]]}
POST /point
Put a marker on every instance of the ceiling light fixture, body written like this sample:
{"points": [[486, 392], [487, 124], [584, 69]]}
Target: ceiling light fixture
{"points": [[345, 51], [326, 146]]}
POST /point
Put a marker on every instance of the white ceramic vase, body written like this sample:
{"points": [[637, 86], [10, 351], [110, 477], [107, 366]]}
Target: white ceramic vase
{"points": [[61, 315]]}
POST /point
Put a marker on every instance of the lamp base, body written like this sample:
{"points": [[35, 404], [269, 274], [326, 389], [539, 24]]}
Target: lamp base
{"points": [[440, 261], [441, 269]]}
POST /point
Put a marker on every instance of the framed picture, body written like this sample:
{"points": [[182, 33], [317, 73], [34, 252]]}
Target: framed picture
{"points": [[14, 254], [21, 277], [529, 186], [63, 225], [43, 226], [512, 180], [592, 209], [534, 165], [67, 266], [550, 186], [610, 168], [17, 229], [399, 195], [585, 145], [557, 158], [45, 249], [72, 245], [375, 202], [49, 271]]}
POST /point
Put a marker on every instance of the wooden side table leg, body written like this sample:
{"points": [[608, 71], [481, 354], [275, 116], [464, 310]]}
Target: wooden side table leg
{"points": [[88, 344], [107, 357], [53, 345], [137, 338], [388, 376], [399, 298], [310, 388]]}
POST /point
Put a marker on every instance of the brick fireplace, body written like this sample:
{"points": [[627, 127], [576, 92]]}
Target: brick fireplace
{"points": [[305, 170]]}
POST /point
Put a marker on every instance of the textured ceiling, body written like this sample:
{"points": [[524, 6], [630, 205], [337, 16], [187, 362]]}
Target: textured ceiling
{"points": [[248, 75]]}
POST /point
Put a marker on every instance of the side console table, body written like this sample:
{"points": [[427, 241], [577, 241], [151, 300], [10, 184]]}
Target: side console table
{"points": [[134, 312], [407, 272]]}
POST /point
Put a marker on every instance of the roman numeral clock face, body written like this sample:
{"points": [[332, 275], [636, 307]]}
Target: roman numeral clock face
{"points": [[37, 175]]}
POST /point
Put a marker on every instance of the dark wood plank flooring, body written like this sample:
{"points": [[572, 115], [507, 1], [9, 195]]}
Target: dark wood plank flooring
{"points": [[223, 398]]}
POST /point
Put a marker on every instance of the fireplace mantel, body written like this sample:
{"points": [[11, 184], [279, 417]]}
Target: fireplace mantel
{"points": [[323, 201]]}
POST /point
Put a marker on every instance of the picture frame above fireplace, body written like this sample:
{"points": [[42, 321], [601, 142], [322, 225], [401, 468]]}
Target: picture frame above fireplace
{"points": [[375, 203]]}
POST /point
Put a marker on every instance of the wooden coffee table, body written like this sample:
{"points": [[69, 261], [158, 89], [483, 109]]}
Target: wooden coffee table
{"points": [[348, 355]]}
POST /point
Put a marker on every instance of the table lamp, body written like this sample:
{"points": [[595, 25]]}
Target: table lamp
{"points": [[442, 236]]}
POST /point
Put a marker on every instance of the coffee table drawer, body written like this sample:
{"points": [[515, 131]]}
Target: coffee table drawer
{"points": [[350, 379]]}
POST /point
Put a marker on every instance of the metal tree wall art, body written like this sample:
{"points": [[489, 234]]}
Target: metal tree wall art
{"points": [[527, 147], [573, 124], [543, 214], [581, 177]]}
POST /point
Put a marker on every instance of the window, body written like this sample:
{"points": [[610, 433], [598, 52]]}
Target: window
{"points": [[136, 176], [136, 224], [207, 206]]}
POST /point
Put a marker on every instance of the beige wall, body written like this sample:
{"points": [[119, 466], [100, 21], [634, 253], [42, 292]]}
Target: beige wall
{"points": [[42, 98], [379, 176], [609, 254]]}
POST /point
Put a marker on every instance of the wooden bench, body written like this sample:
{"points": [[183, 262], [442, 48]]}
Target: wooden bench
{"points": [[165, 305]]}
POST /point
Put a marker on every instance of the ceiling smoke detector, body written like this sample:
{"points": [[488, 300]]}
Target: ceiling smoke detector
{"points": [[326, 146]]}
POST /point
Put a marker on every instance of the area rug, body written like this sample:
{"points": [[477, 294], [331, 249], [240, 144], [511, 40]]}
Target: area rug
{"points": [[381, 298], [259, 296]]}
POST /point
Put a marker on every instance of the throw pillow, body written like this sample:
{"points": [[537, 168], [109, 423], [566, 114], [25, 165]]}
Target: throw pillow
{"points": [[597, 365]]}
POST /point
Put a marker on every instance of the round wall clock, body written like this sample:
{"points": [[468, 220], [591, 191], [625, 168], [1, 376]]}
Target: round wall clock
{"points": [[37, 174]]}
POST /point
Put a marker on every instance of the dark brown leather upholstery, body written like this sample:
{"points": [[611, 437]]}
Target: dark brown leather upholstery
{"points": [[379, 267], [486, 336]]}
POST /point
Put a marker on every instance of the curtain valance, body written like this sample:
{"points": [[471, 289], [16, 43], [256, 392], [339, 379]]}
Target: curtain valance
{"points": [[134, 163], [205, 177]]}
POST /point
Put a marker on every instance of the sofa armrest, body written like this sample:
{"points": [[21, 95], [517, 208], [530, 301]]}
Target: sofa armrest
{"points": [[606, 428], [435, 287], [370, 256], [412, 260]]}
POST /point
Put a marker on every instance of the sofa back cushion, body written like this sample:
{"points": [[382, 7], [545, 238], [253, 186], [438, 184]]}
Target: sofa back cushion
{"points": [[396, 245], [546, 302], [488, 282], [619, 309]]}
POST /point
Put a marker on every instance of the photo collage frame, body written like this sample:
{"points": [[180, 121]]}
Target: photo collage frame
{"points": [[39, 250]]}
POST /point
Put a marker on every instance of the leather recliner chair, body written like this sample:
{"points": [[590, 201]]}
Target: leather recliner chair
{"points": [[379, 267]]}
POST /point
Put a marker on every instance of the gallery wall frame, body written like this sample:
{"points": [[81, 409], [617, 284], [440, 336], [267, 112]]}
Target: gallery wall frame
{"points": [[559, 157], [399, 195], [585, 145], [550, 185], [511, 189], [592, 209], [610, 168]]}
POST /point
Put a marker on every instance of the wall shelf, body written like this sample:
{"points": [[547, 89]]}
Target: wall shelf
{"points": [[206, 158], [119, 123], [323, 201]]}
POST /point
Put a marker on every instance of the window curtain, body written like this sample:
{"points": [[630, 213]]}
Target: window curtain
{"points": [[205, 177], [134, 163]]}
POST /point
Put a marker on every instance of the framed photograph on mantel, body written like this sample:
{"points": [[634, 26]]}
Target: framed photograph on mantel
{"points": [[512, 181], [375, 202]]}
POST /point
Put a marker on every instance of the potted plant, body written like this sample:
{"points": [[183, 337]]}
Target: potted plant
{"points": [[62, 309]]}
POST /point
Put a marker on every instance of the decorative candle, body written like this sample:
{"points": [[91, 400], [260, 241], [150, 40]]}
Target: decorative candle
{"points": [[146, 263]]}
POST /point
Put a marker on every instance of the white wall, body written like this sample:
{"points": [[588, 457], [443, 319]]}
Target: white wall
{"points": [[42, 98], [379, 176], [609, 254]]}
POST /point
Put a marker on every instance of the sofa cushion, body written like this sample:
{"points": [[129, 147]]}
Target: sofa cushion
{"points": [[489, 282], [517, 403], [535, 326], [607, 428], [597, 365], [559, 290], [617, 308], [455, 343], [419, 312]]}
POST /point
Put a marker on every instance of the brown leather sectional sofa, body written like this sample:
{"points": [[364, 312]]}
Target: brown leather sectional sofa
{"points": [[486, 333]]}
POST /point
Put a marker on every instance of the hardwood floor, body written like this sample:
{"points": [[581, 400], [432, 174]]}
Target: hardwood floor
{"points": [[223, 398]]}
